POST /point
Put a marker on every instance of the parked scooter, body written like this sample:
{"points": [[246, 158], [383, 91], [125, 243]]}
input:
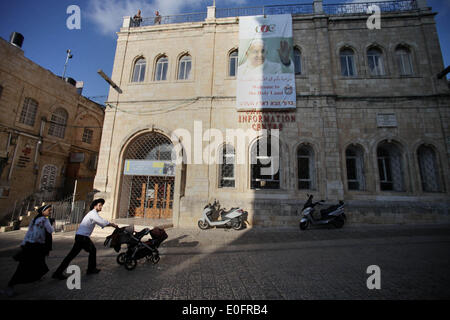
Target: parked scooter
{"points": [[333, 215], [214, 216]]}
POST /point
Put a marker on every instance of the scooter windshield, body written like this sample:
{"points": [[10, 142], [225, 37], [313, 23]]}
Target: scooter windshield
{"points": [[308, 203]]}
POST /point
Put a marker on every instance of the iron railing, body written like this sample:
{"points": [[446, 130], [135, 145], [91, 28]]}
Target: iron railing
{"points": [[67, 212], [21, 208], [294, 9], [180, 18], [362, 8]]}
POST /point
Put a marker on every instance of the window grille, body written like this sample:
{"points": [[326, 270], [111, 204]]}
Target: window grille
{"points": [[355, 168], [305, 167], [390, 167], [226, 169], [429, 172], [262, 160], [148, 197], [87, 135], [29, 111], [58, 123]]}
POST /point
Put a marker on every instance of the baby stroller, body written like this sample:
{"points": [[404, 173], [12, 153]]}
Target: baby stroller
{"points": [[136, 249]]}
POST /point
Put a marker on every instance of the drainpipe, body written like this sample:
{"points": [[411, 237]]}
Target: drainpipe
{"points": [[74, 195], [9, 143], [13, 158]]}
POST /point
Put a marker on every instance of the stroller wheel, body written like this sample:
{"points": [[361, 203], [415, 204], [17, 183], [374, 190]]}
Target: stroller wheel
{"points": [[155, 259], [121, 258], [130, 264]]}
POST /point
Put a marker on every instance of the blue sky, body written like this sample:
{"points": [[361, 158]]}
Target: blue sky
{"points": [[43, 24]]}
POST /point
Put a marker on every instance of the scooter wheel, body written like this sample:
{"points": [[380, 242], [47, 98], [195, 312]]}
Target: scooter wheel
{"points": [[237, 225], [121, 258], [130, 264], [203, 225], [304, 225]]}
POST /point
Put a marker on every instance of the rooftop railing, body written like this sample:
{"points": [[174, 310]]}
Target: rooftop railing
{"points": [[179, 18], [362, 8], [294, 9]]}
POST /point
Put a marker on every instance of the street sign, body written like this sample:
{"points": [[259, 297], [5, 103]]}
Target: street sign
{"points": [[149, 168]]}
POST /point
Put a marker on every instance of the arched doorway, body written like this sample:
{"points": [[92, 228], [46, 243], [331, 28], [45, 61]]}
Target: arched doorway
{"points": [[148, 178]]}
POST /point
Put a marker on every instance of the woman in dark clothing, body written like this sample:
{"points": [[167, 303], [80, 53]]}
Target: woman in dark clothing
{"points": [[35, 248]]}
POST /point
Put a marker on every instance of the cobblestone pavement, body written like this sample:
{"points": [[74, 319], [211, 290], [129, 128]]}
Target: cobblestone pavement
{"points": [[258, 263]]}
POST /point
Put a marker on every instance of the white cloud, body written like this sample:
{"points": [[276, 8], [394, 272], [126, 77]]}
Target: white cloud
{"points": [[108, 14]]}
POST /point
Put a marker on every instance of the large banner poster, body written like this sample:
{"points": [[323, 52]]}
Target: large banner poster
{"points": [[266, 72]]}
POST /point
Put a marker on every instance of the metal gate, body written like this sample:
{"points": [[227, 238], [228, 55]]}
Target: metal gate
{"points": [[148, 196]]}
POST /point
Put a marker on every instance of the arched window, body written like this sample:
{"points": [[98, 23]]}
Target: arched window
{"points": [[354, 156], [390, 167], [161, 69], [298, 61], [305, 167], [226, 170], [348, 67], [58, 123], [139, 70], [429, 172], [404, 61], [184, 68], [29, 111], [375, 61], [265, 165], [233, 63]]}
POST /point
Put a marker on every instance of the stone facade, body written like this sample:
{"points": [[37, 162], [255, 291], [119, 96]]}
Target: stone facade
{"points": [[35, 151], [333, 113]]}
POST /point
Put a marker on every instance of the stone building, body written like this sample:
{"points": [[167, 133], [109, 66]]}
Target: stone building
{"points": [[49, 133], [371, 125]]}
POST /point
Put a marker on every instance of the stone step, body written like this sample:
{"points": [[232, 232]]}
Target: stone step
{"points": [[6, 228], [25, 220]]}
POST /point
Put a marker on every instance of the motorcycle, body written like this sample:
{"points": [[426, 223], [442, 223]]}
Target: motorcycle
{"points": [[233, 218], [333, 215]]}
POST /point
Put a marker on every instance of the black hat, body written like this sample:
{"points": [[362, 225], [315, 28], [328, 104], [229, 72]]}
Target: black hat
{"points": [[95, 202], [43, 208]]}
